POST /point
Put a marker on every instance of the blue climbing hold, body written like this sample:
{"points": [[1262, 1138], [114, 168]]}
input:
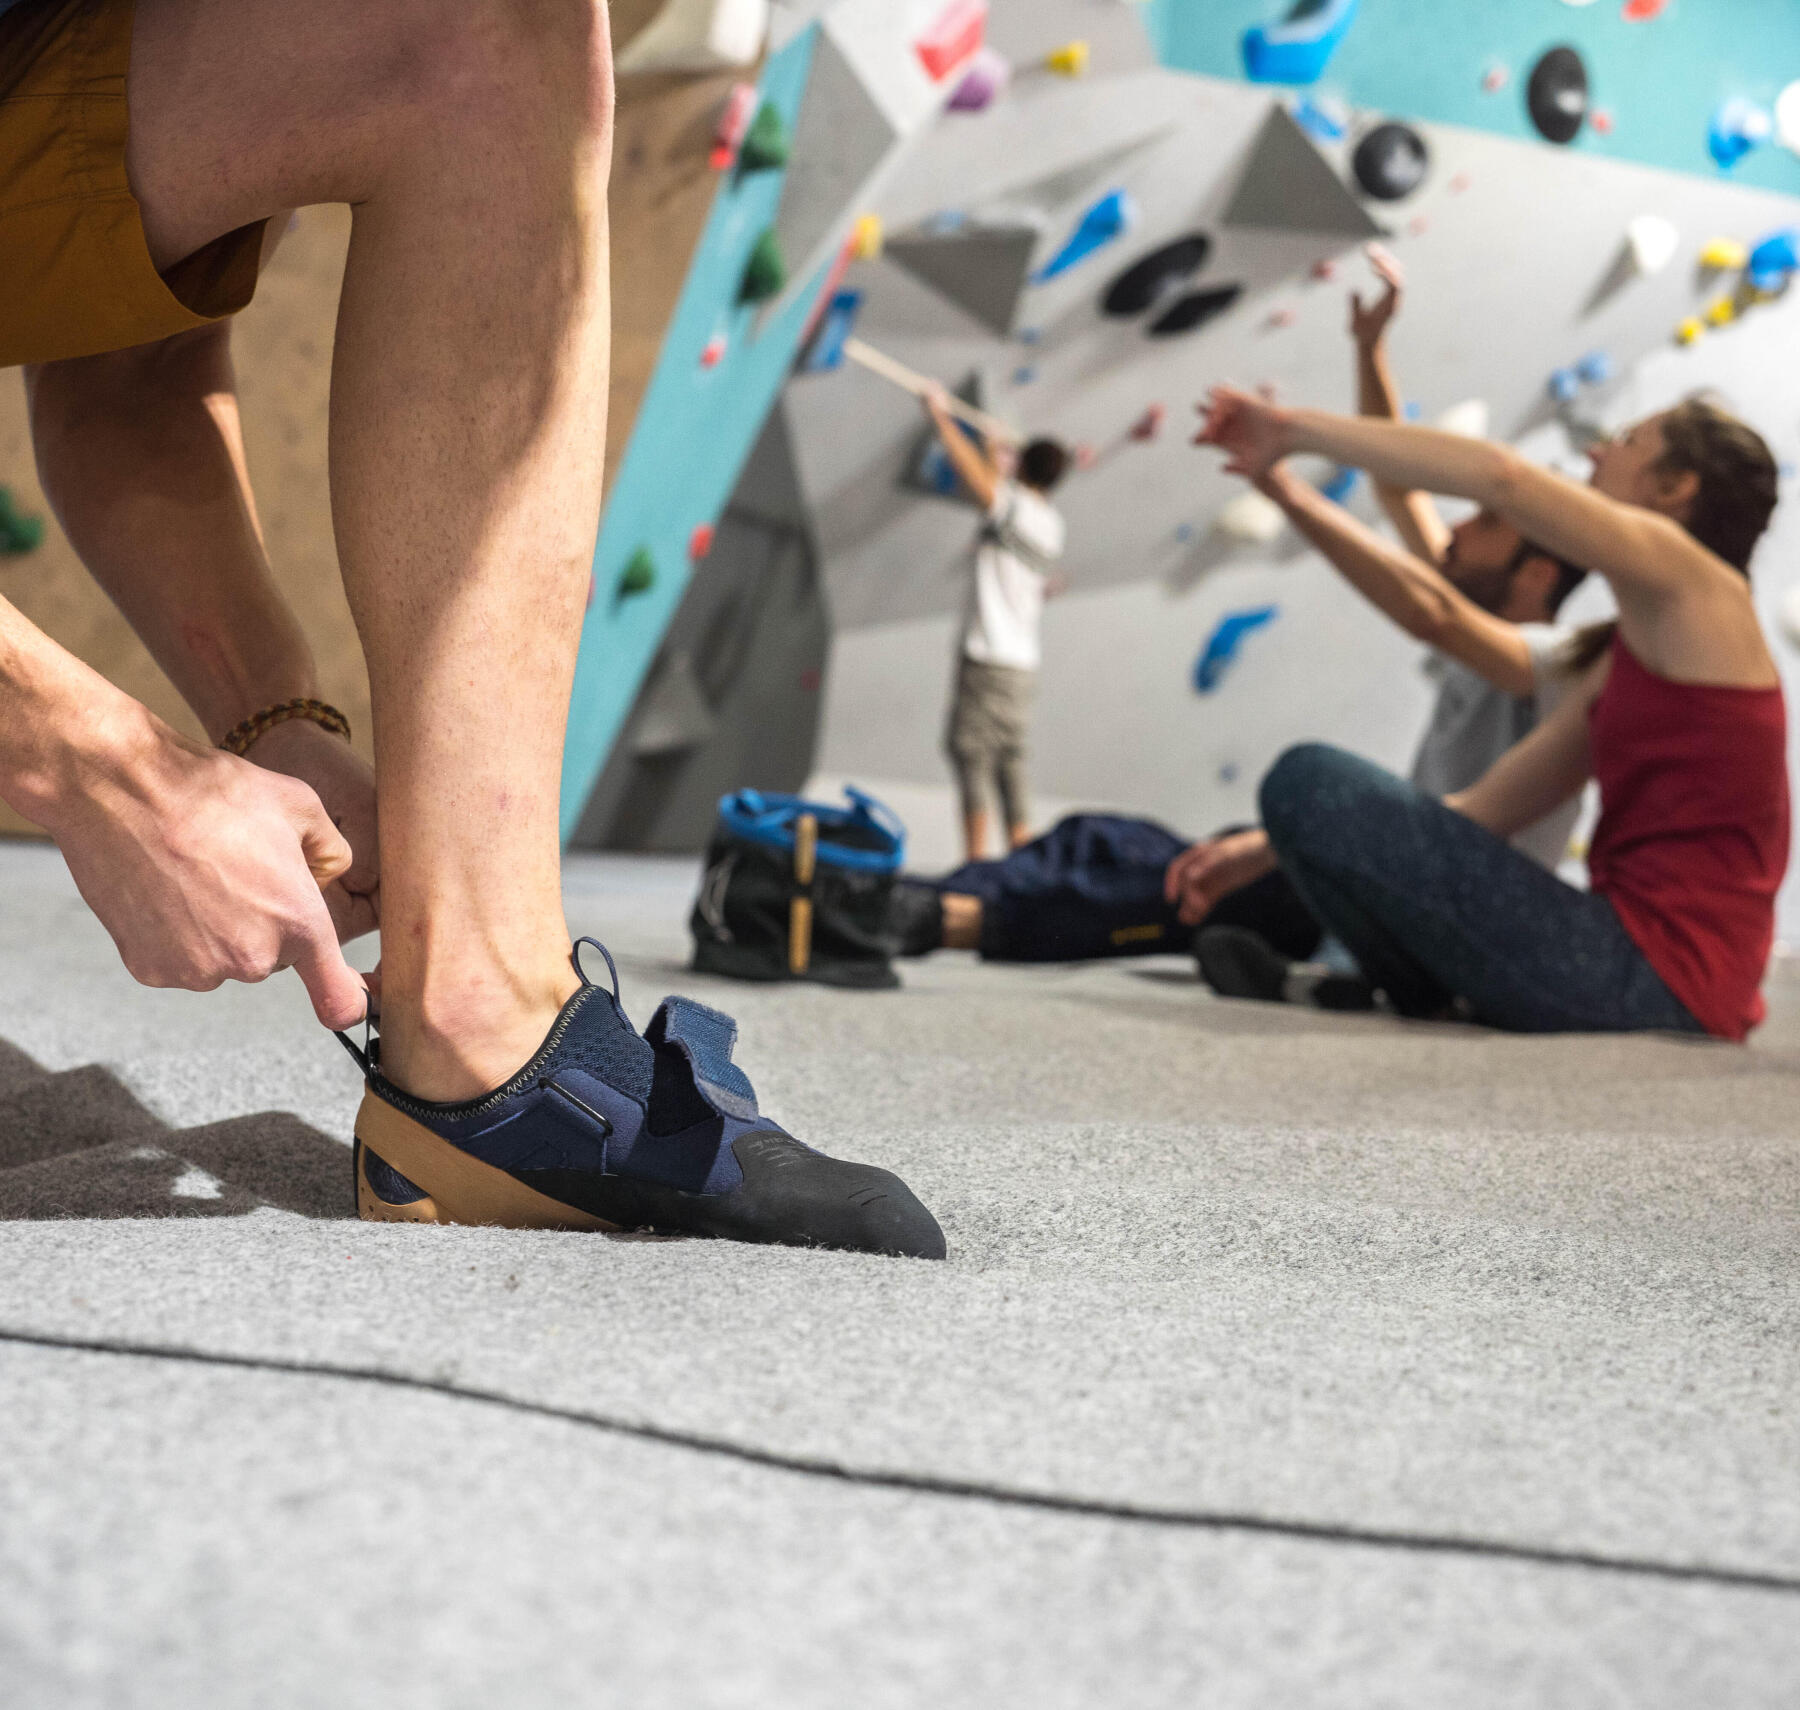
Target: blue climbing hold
{"points": [[1774, 261], [826, 351], [1737, 127], [1103, 223], [1323, 121], [1595, 369], [1340, 484], [1222, 646], [1296, 49], [1565, 385]]}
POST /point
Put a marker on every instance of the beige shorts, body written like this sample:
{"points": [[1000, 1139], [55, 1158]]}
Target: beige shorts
{"points": [[988, 735], [78, 275]]}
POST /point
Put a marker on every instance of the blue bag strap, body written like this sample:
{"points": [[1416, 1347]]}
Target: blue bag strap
{"points": [[768, 817]]}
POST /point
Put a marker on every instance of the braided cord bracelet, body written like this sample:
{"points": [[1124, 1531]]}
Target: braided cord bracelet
{"points": [[238, 739]]}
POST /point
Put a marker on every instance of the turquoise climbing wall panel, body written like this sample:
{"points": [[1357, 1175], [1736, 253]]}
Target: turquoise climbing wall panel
{"points": [[1658, 80], [694, 430]]}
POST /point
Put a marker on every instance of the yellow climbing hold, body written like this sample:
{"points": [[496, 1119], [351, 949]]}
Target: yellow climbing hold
{"points": [[1725, 255], [1722, 313], [1691, 331], [1069, 60], [866, 238]]}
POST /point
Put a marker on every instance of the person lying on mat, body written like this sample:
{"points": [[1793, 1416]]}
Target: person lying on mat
{"points": [[1679, 716]]}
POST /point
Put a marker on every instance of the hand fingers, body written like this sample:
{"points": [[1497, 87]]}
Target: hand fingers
{"points": [[326, 850], [339, 997]]}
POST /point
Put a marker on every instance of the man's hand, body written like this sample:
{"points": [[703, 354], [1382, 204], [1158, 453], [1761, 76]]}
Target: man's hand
{"points": [[1200, 877], [1252, 431], [345, 785], [205, 868], [1369, 322]]}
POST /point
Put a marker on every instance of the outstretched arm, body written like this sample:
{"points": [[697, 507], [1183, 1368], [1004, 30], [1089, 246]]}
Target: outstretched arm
{"points": [[1404, 587], [975, 467], [1644, 555], [1411, 512], [1538, 774]]}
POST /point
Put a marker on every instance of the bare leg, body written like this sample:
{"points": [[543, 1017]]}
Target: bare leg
{"points": [[962, 921], [975, 832], [472, 138]]}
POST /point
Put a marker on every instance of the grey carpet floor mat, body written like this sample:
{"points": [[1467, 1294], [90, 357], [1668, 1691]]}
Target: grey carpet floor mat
{"points": [[1280, 1358]]}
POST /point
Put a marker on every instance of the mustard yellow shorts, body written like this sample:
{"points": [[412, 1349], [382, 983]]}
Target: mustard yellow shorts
{"points": [[75, 272]]}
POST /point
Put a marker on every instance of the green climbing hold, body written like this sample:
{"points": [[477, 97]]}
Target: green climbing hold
{"points": [[639, 574], [767, 143], [18, 534], [765, 272]]}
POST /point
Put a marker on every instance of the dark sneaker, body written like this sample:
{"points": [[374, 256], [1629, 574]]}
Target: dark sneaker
{"points": [[915, 918], [607, 1129], [1239, 963]]}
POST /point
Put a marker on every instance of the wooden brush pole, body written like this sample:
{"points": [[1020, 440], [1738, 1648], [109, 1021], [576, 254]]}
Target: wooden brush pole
{"points": [[800, 911], [908, 380]]}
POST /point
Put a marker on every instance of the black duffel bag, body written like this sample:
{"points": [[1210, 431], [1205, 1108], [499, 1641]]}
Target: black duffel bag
{"points": [[797, 890]]}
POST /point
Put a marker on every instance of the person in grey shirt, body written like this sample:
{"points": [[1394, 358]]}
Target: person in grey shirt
{"points": [[1480, 595]]}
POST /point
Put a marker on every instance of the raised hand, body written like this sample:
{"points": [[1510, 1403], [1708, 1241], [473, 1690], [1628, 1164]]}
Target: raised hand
{"points": [[1252, 431], [1199, 877], [1369, 322]]}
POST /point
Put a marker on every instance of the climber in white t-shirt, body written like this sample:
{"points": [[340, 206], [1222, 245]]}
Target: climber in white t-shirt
{"points": [[998, 653]]}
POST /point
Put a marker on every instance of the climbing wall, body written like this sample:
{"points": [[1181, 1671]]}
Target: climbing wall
{"points": [[1522, 288], [734, 692]]}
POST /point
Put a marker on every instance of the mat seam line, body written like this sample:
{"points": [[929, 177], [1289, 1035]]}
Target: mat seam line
{"points": [[926, 1484]]}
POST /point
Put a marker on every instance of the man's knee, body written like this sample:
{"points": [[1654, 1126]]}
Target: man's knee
{"points": [[507, 62]]}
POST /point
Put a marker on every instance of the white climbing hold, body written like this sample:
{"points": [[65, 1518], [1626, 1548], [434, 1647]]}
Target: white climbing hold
{"points": [[1252, 517], [698, 35], [1653, 242], [1469, 418], [1787, 117]]}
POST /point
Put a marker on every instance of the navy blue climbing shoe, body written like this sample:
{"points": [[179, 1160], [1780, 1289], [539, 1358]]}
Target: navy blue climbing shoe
{"points": [[609, 1129]]}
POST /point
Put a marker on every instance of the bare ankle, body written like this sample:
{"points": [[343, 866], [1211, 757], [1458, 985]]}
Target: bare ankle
{"points": [[458, 1039]]}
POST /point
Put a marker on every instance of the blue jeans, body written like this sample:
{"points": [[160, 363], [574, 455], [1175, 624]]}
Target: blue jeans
{"points": [[1437, 909]]}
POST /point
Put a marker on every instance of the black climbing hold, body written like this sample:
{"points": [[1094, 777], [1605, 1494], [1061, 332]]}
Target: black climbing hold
{"points": [[1391, 162], [1155, 275], [1557, 95], [1195, 310]]}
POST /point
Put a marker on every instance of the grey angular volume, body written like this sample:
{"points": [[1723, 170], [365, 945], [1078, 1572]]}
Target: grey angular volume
{"points": [[983, 270], [841, 139], [1289, 186]]}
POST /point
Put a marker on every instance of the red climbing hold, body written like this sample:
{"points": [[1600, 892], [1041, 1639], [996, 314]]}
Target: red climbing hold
{"points": [[953, 38], [734, 122], [714, 353], [700, 542], [1642, 11], [1149, 424]]}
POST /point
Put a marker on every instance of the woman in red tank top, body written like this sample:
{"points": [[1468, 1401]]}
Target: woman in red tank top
{"points": [[1679, 716]]}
